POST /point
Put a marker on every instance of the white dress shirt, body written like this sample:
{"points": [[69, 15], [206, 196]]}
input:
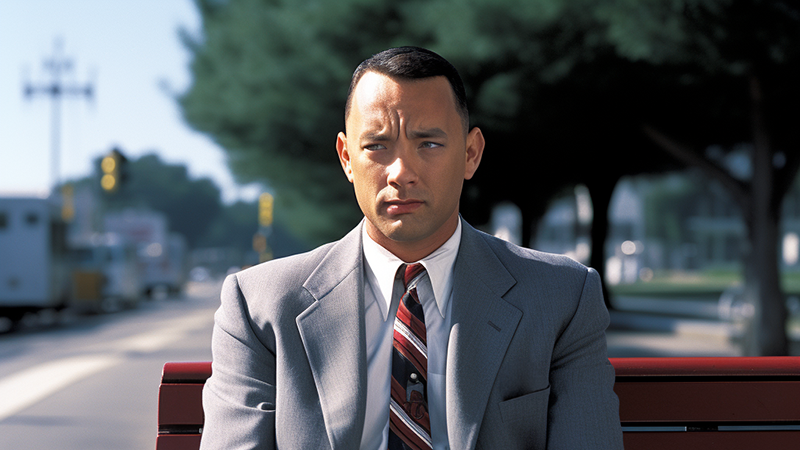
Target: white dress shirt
{"points": [[381, 298]]}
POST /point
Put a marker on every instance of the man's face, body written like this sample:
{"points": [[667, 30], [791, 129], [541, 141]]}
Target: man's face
{"points": [[407, 155]]}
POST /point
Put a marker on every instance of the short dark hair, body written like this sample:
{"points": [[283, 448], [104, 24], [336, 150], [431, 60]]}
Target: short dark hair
{"points": [[412, 63]]}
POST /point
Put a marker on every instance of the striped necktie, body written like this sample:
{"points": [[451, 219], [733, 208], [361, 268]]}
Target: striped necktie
{"points": [[409, 425]]}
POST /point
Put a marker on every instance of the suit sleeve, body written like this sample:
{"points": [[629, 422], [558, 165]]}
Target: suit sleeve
{"points": [[584, 410], [239, 397]]}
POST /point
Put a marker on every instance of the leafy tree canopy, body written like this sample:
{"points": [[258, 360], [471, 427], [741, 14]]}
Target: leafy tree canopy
{"points": [[551, 82]]}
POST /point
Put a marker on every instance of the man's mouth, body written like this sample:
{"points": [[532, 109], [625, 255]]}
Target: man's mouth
{"points": [[396, 207]]}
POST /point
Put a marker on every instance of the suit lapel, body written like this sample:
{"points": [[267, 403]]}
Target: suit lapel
{"points": [[482, 326], [331, 329]]}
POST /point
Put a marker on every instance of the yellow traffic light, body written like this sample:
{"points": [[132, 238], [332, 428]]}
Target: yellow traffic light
{"points": [[112, 171], [110, 167], [108, 164], [265, 204], [108, 182]]}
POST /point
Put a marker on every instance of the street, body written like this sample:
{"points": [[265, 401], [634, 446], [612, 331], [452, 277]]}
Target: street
{"points": [[91, 382]]}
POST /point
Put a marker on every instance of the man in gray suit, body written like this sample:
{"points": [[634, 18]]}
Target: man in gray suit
{"points": [[512, 341]]}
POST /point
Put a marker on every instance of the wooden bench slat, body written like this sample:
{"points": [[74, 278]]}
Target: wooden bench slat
{"points": [[702, 440], [186, 372], [707, 366], [717, 401], [178, 442], [180, 404]]}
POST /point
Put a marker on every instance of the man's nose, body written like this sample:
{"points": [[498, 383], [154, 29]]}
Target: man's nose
{"points": [[402, 171]]}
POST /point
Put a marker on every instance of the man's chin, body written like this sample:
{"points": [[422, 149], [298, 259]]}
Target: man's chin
{"points": [[401, 229]]}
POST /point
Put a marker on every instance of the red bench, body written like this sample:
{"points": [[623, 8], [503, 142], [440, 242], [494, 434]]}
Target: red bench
{"points": [[180, 405], [665, 403]]}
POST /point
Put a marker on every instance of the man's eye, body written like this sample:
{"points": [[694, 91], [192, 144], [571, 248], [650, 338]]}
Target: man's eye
{"points": [[374, 147], [429, 144]]}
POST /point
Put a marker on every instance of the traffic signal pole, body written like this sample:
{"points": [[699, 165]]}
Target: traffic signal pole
{"points": [[57, 65]]}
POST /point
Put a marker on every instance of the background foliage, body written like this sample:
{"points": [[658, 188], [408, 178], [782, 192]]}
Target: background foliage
{"points": [[566, 92]]}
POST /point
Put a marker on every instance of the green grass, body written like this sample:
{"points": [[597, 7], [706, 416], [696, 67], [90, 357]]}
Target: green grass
{"points": [[700, 283]]}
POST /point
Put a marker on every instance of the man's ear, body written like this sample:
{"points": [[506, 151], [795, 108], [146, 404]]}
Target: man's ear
{"points": [[344, 155], [475, 144]]}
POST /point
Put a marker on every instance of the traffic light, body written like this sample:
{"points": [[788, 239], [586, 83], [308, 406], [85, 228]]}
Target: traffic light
{"points": [[265, 202], [113, 171]]}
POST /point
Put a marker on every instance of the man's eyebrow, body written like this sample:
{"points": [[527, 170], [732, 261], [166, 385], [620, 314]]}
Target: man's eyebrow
{"points": [[375, 136], [427, 133]]}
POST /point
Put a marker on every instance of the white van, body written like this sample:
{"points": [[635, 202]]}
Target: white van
{"points": [[33, 267]]}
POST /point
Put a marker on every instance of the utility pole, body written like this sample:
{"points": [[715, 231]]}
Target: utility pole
{"points": [[57, 65]]}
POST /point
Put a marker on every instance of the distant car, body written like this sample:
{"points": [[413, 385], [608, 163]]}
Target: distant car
{"points": [[732, 307]]}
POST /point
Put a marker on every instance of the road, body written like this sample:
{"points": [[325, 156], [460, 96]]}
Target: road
{"points": [[91, 382]]}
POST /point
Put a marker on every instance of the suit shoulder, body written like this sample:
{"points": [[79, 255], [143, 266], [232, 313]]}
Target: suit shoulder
{"points": [[285, 273], [523, 262], [551, 284], [508, 250]]}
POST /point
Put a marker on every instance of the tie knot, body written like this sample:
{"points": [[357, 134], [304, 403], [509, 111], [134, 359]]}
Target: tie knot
{"points": [[413, 271]]}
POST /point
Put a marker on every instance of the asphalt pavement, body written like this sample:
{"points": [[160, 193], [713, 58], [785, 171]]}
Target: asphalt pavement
{"points": [[91, 382]]}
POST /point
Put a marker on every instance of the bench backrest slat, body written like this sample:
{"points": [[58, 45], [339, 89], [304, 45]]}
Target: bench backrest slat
{"points": [[709, 401]]}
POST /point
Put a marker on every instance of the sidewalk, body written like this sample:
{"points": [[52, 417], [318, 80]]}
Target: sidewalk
{"points": [[647, 334], [633, 334], [630, 343], [653, 327]]}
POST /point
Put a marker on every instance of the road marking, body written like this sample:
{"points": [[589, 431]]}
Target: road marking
{"points": [[27, 387], [30, 386], [159, 339]]}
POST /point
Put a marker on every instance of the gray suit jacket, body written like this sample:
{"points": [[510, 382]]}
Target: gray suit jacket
{"points": [[526, 361]]}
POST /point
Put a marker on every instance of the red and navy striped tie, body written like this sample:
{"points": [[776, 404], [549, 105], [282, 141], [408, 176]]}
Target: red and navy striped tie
{"points": [[409, 425]]}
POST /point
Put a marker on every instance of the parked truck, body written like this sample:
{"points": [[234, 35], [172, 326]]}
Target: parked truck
{"points": [[34, 272], [105, 273], [161, 254]]}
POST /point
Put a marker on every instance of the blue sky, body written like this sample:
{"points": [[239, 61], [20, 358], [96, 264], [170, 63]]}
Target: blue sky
{"points": [[130, 50]]}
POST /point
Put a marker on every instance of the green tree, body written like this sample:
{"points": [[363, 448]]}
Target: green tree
{"points": [[567, 92], [270, 80], [233, 227], [727, 74]]}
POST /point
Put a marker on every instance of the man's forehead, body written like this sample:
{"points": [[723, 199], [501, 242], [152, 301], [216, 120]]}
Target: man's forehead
{"points": [[378, 86], [372, 81], [377, 95]]}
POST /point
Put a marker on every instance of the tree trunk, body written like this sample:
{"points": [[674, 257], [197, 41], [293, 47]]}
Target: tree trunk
{"points": [[528, 231], [600, 191], [765, 334], [766, 331], [760, 201]]}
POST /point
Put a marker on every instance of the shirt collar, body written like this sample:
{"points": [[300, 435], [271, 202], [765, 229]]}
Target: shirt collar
{"points": [[438, 264]]}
